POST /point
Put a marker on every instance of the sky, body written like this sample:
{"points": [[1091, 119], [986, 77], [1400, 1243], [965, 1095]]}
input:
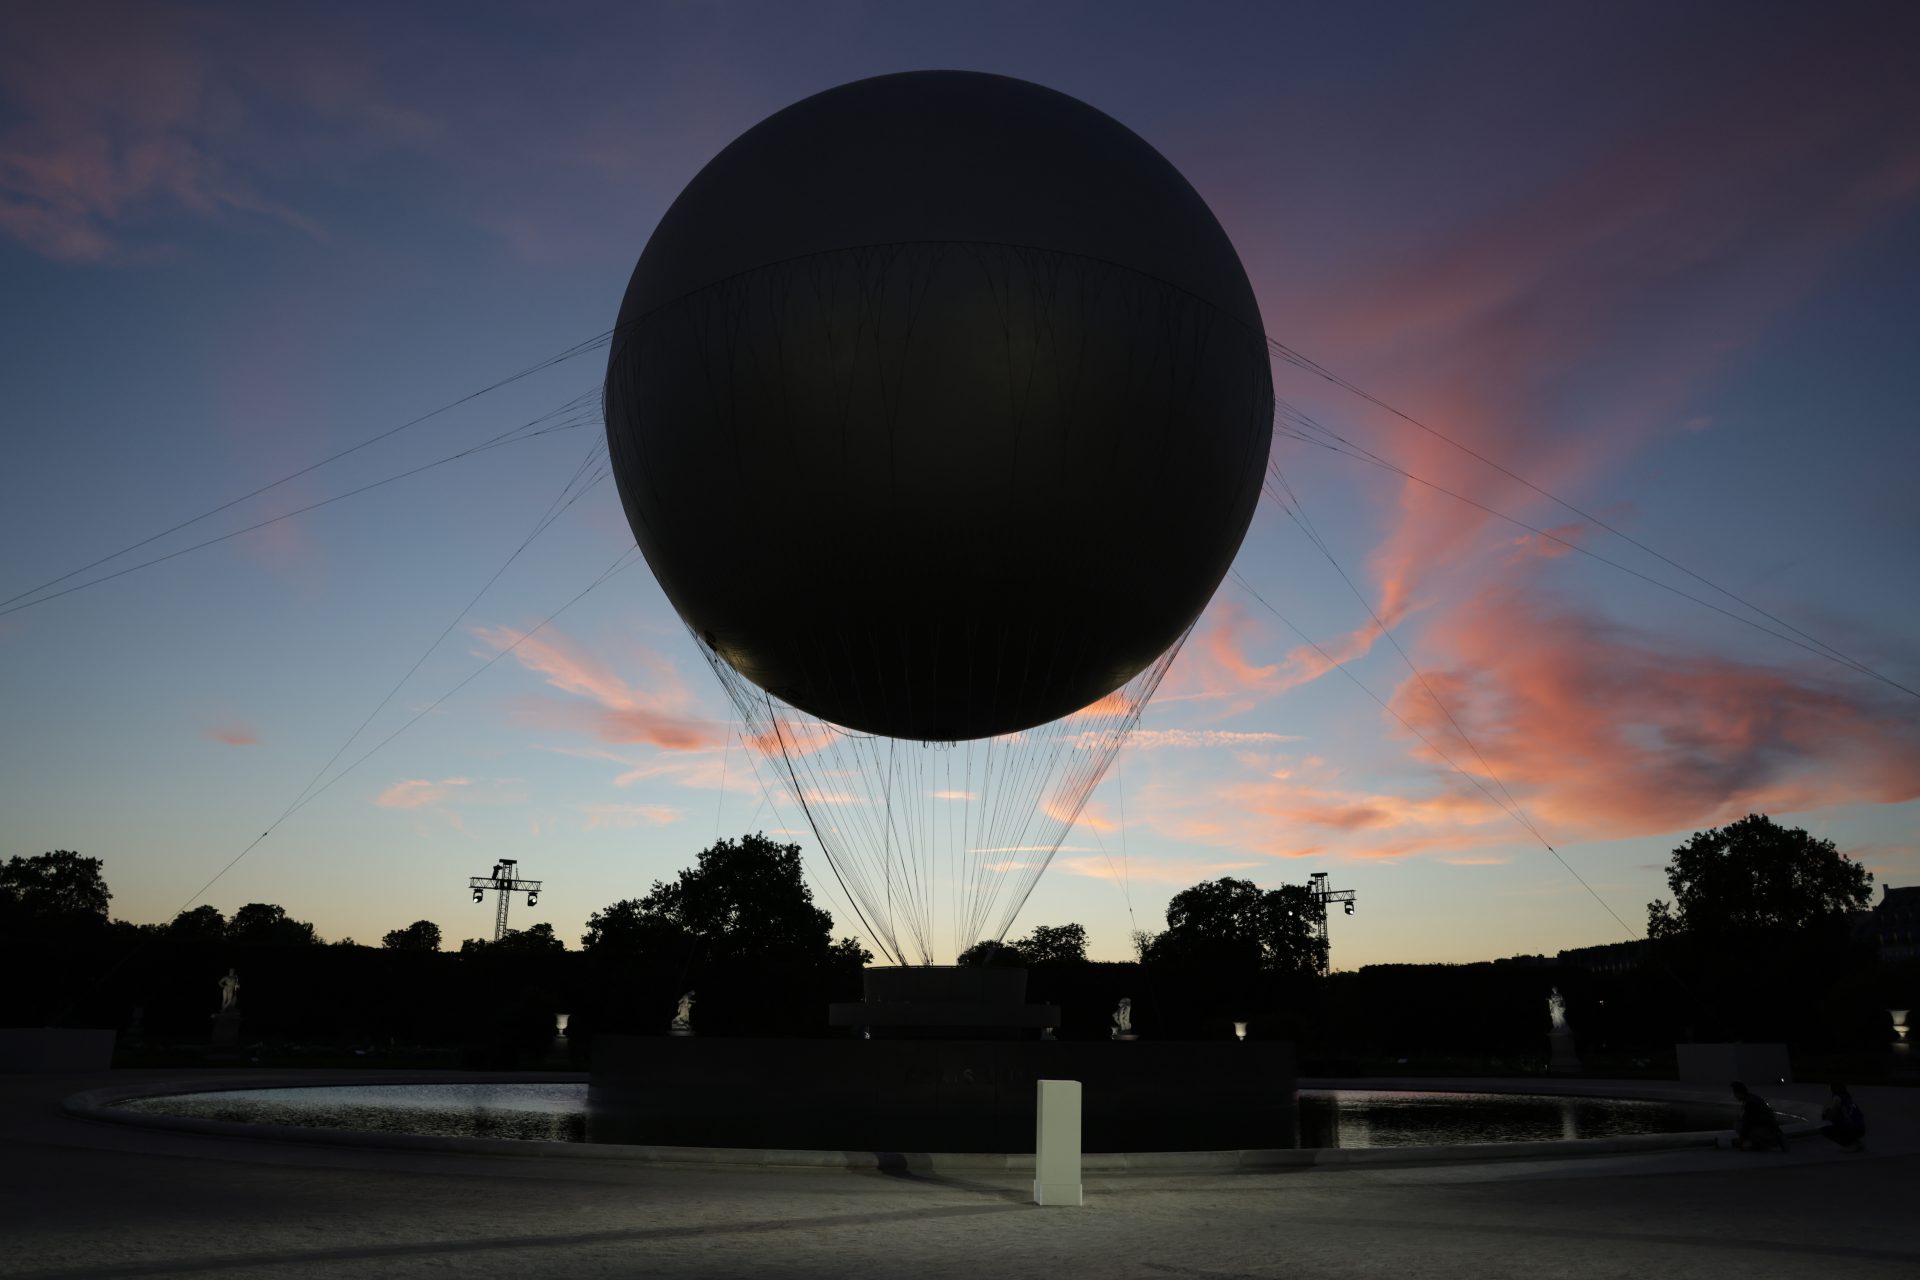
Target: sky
{"points": [[1660, 260]]}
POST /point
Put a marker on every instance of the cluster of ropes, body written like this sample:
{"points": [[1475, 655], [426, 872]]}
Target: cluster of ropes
{"points": [[899, 820]]}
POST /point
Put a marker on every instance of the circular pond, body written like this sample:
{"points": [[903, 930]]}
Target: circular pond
{"points": [[1345, 1118]]}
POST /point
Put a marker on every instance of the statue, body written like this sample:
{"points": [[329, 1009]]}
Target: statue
{"points": [[683, 1016], [1123, 1020], [1565, 1060], [226, 1023]]}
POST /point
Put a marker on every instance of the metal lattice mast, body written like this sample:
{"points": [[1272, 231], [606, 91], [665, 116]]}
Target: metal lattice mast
{"points": [[505, 880], [1317, 887]]}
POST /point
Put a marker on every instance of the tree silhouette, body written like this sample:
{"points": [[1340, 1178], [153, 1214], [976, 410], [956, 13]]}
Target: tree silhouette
{"points": [[267, 924], [534, 940], [1048, 944], [202, 926], [1757, 875], [744, 897], [1234, 924], [421, 935], [57, 890]]}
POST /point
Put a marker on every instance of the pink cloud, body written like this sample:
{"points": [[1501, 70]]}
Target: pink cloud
{"points": [[1148, 869], [1666, 248], [119, 120], [1607, 732], [233, 734], [612, 710]]}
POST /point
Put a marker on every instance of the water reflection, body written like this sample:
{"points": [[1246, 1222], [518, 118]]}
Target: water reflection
{"points": [[1380, 1118], [530, 1112], [1347, 1118]]}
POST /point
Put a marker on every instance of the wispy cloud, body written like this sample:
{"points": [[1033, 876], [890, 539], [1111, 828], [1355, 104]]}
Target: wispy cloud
{"points": [[419, 793], [1152, 870], [233, 734], [660, 715], [629, 815], [1604, 731], [125, 117], [1187, 739]]}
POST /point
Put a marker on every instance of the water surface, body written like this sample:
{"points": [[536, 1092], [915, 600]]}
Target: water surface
{"points": [[1328, 1118]]}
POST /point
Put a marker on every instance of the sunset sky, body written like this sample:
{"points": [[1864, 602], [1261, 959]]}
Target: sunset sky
{"points": [[1661, 260]]}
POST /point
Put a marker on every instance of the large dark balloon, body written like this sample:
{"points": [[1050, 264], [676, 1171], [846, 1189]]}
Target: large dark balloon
{"points": [[939, 404]]}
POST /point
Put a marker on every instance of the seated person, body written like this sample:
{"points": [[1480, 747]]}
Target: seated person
{"points": [[1758, 1129], [1846, 1125]]}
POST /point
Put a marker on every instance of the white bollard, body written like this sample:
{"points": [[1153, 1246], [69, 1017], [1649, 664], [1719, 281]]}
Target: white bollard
{"points": [[1056, 1143]]}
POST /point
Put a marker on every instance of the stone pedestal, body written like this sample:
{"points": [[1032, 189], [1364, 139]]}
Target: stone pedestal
{"points": [[945, 1002], [920, 1094], [1056, 1143], [1564, 1061], [226, 1034]]}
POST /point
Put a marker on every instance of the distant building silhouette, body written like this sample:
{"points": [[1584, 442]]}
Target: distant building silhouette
{"points": [[1896, 923], [1611, 957]]}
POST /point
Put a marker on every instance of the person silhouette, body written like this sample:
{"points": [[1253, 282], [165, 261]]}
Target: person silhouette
{"points": [[1845, 1124], [1758, 1128]]}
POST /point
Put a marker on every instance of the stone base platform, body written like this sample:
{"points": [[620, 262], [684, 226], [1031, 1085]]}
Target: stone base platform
{"points": [[938, 1095]]}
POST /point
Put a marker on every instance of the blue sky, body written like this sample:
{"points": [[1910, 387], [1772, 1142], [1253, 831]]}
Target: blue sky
{"points": [[1660, 260]]}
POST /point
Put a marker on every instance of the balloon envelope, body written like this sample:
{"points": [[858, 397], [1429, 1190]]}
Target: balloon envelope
{"points": [[939, 404]]}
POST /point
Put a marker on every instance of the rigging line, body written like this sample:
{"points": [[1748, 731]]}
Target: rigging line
{"points": [[767, 802], [720, 807], [1297, 512], [578, 349], [620, 563], [312, 506], [540, 526], [886, 944], [1314, 367], [1360, 453], [1126, 870], [1247, 587]]}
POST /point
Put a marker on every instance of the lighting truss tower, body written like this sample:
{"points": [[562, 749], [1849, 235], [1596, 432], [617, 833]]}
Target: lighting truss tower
{"points": [[505, 879], [1317, 887]]}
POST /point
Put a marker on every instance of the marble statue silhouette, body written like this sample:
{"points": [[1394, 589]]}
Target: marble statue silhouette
{"points": [[1123, 1020], [229, 990], [683, 1015], [1565, 1058]]}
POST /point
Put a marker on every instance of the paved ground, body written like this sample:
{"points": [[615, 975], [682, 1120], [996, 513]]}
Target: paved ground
{"points": [[79, 1198]]}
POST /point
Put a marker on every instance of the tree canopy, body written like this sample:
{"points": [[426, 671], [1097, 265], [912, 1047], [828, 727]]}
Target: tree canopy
{"points": [[60, 889], [1757, 875], [267, 924], [1235, 924], [741, 896], [201, 926], [421, 935], [1048, 944]]}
